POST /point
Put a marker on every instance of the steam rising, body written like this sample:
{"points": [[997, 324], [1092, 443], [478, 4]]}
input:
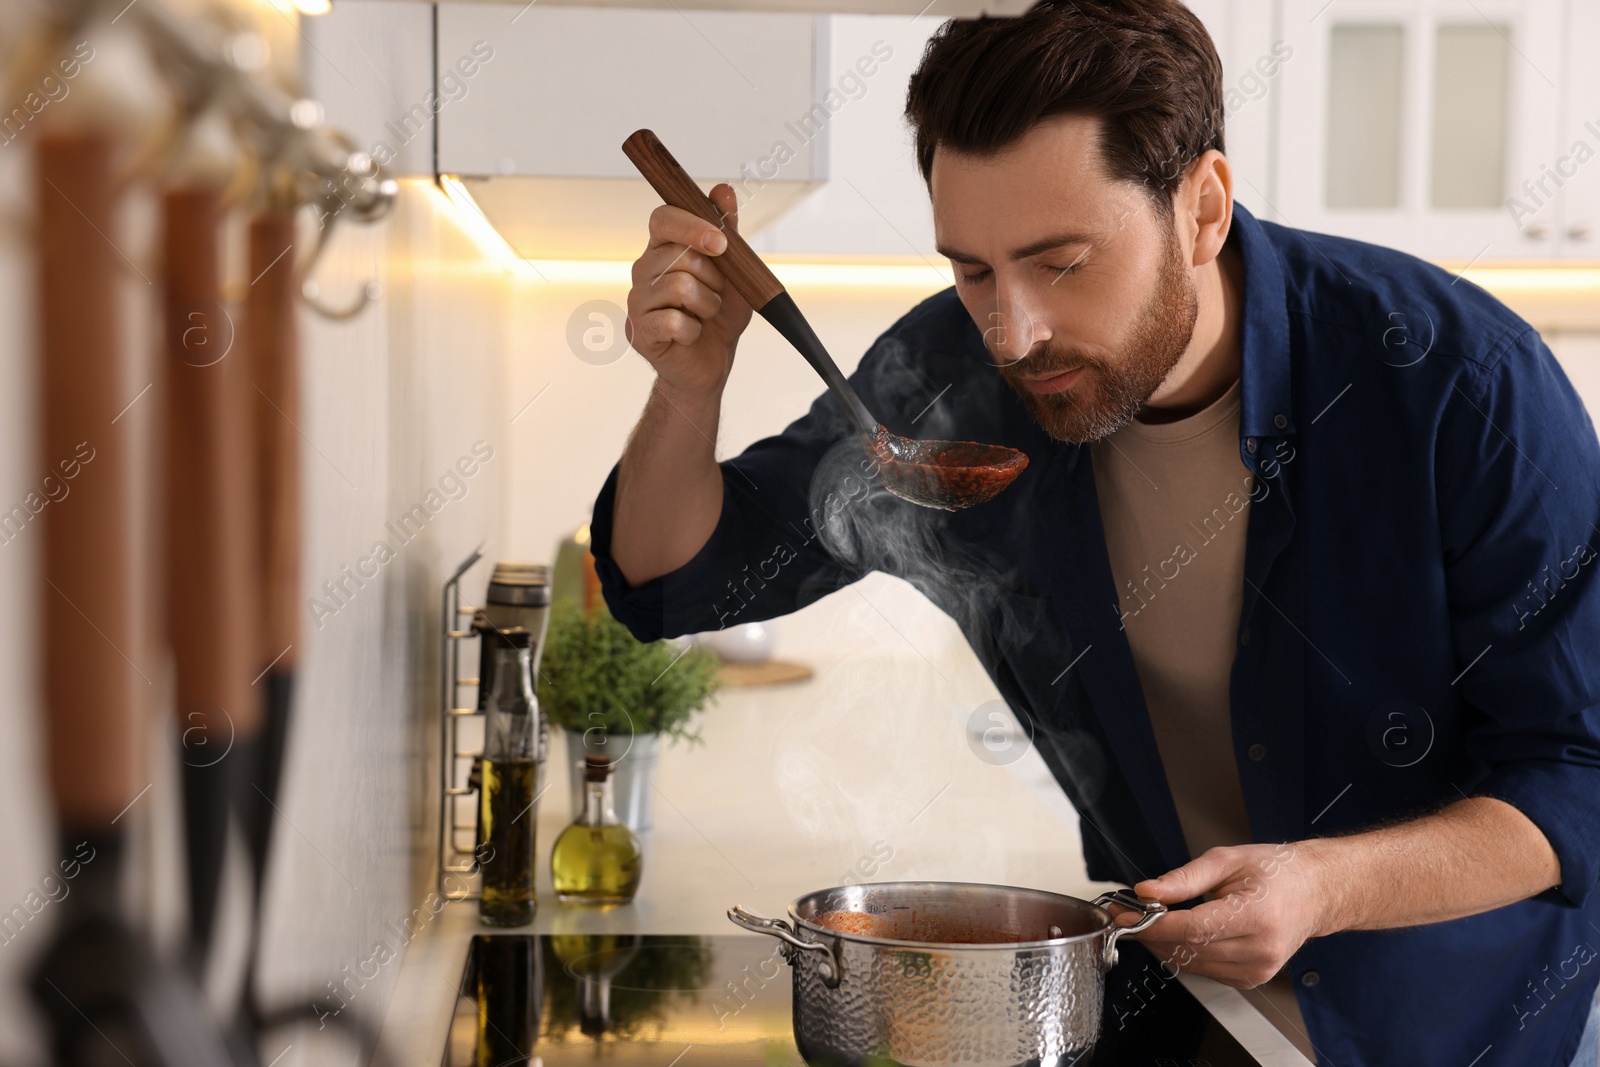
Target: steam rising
{"points": [[835, 788], [875, 531]]}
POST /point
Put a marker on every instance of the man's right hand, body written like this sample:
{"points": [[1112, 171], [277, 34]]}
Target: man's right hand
{"points": [[685, 318], [683, 314]]}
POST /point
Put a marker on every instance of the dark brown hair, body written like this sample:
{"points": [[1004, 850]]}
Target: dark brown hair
{"points": [[1147, 68]]}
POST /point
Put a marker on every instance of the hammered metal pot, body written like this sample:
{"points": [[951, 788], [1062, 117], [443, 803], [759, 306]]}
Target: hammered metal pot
{"points": [[948, 973]]}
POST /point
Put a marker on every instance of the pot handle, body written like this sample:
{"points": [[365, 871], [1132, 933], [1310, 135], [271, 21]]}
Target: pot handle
{"points": [[1153, 910], [827, 966]]}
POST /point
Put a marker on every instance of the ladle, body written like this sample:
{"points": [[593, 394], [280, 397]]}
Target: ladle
{"points": [[935, 474]]}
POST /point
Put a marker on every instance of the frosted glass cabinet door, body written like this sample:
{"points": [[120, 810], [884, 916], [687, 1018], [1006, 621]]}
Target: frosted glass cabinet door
{"points": [[1413, 123], [1361, 157], [1471, 95]]}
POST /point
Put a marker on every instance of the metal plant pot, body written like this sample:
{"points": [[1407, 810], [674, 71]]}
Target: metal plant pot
{"points": [[1010, 976], [633, 777]]}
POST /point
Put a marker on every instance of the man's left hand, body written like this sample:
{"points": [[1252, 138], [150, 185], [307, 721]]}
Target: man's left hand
{"points": [[1263, 902]]}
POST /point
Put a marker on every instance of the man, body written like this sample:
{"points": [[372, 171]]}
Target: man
{"points": [[1297, 595]]}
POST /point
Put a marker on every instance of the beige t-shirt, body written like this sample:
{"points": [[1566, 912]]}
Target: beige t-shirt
{"points": [[1174, 505]]}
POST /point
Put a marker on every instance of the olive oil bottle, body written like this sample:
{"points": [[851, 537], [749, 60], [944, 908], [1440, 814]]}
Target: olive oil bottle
{"points": [[509, 991], [513, 759], [596, 860]]}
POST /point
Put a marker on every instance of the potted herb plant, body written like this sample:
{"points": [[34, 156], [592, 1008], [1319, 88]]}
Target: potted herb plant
{"points": [[613, 694]]}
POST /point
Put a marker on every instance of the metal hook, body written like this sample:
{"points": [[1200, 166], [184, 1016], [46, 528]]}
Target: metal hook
{"points": [[371, 199], [311, 293], [315, 163]]}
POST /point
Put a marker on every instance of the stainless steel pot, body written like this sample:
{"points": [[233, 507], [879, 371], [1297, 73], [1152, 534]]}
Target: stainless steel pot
{"points": [[951, 972]]}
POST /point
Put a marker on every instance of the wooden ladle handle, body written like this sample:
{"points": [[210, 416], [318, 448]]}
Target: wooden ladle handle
{"points": [[738, 261]]}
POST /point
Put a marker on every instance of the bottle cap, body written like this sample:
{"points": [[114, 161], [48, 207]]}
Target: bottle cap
{"points": [[519, 584], [596, 768], [508, 572]]}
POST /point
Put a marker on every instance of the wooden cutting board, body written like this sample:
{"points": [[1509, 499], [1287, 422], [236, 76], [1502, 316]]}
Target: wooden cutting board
{"points": [[772, 672]]}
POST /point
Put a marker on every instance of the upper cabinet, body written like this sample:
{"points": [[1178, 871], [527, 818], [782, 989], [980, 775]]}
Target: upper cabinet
{"points": [[874, 202], [1577, 154], [536, 130], [947, 8], [1453, 129], [1255, 59]]}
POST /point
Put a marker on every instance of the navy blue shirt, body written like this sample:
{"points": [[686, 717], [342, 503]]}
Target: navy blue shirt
{"points": [[1420, 622]]}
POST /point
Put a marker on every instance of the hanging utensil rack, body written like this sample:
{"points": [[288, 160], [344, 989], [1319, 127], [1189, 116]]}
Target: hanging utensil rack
{"points": [[99, 965], [455, 777], [212, 66]]}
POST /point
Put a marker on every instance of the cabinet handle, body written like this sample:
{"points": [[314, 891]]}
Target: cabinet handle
{"points": [[1579, 231], [1537, 231]]}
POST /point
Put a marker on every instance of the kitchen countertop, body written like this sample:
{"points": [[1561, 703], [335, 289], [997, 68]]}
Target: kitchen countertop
{"points": [[796, 789]]}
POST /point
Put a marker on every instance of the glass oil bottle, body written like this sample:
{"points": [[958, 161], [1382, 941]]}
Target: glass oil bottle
{"points": [[509, 993], [513, 761], [596, 860]]}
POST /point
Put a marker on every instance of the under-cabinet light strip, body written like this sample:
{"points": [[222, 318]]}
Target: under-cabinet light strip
{"points": [[482, 232], [929, 275], [1564, 281], [799, 275]]}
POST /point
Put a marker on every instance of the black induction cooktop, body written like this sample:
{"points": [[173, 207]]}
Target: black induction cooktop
{"points": [[553, 1000]]}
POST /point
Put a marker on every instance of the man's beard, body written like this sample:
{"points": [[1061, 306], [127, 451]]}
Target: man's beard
{"points": [[1110, 392]]}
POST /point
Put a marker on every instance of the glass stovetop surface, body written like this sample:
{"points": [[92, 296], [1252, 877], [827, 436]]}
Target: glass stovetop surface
{"points": [[553, 1000]]}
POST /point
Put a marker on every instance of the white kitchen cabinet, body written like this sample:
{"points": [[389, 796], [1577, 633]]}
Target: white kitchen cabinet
{"points": [[537, 132], [1255, 57], [1423, 124], [567, 85], [874, 202], [947, 8], [529, 105], [1577, 155], [369, 63]]}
